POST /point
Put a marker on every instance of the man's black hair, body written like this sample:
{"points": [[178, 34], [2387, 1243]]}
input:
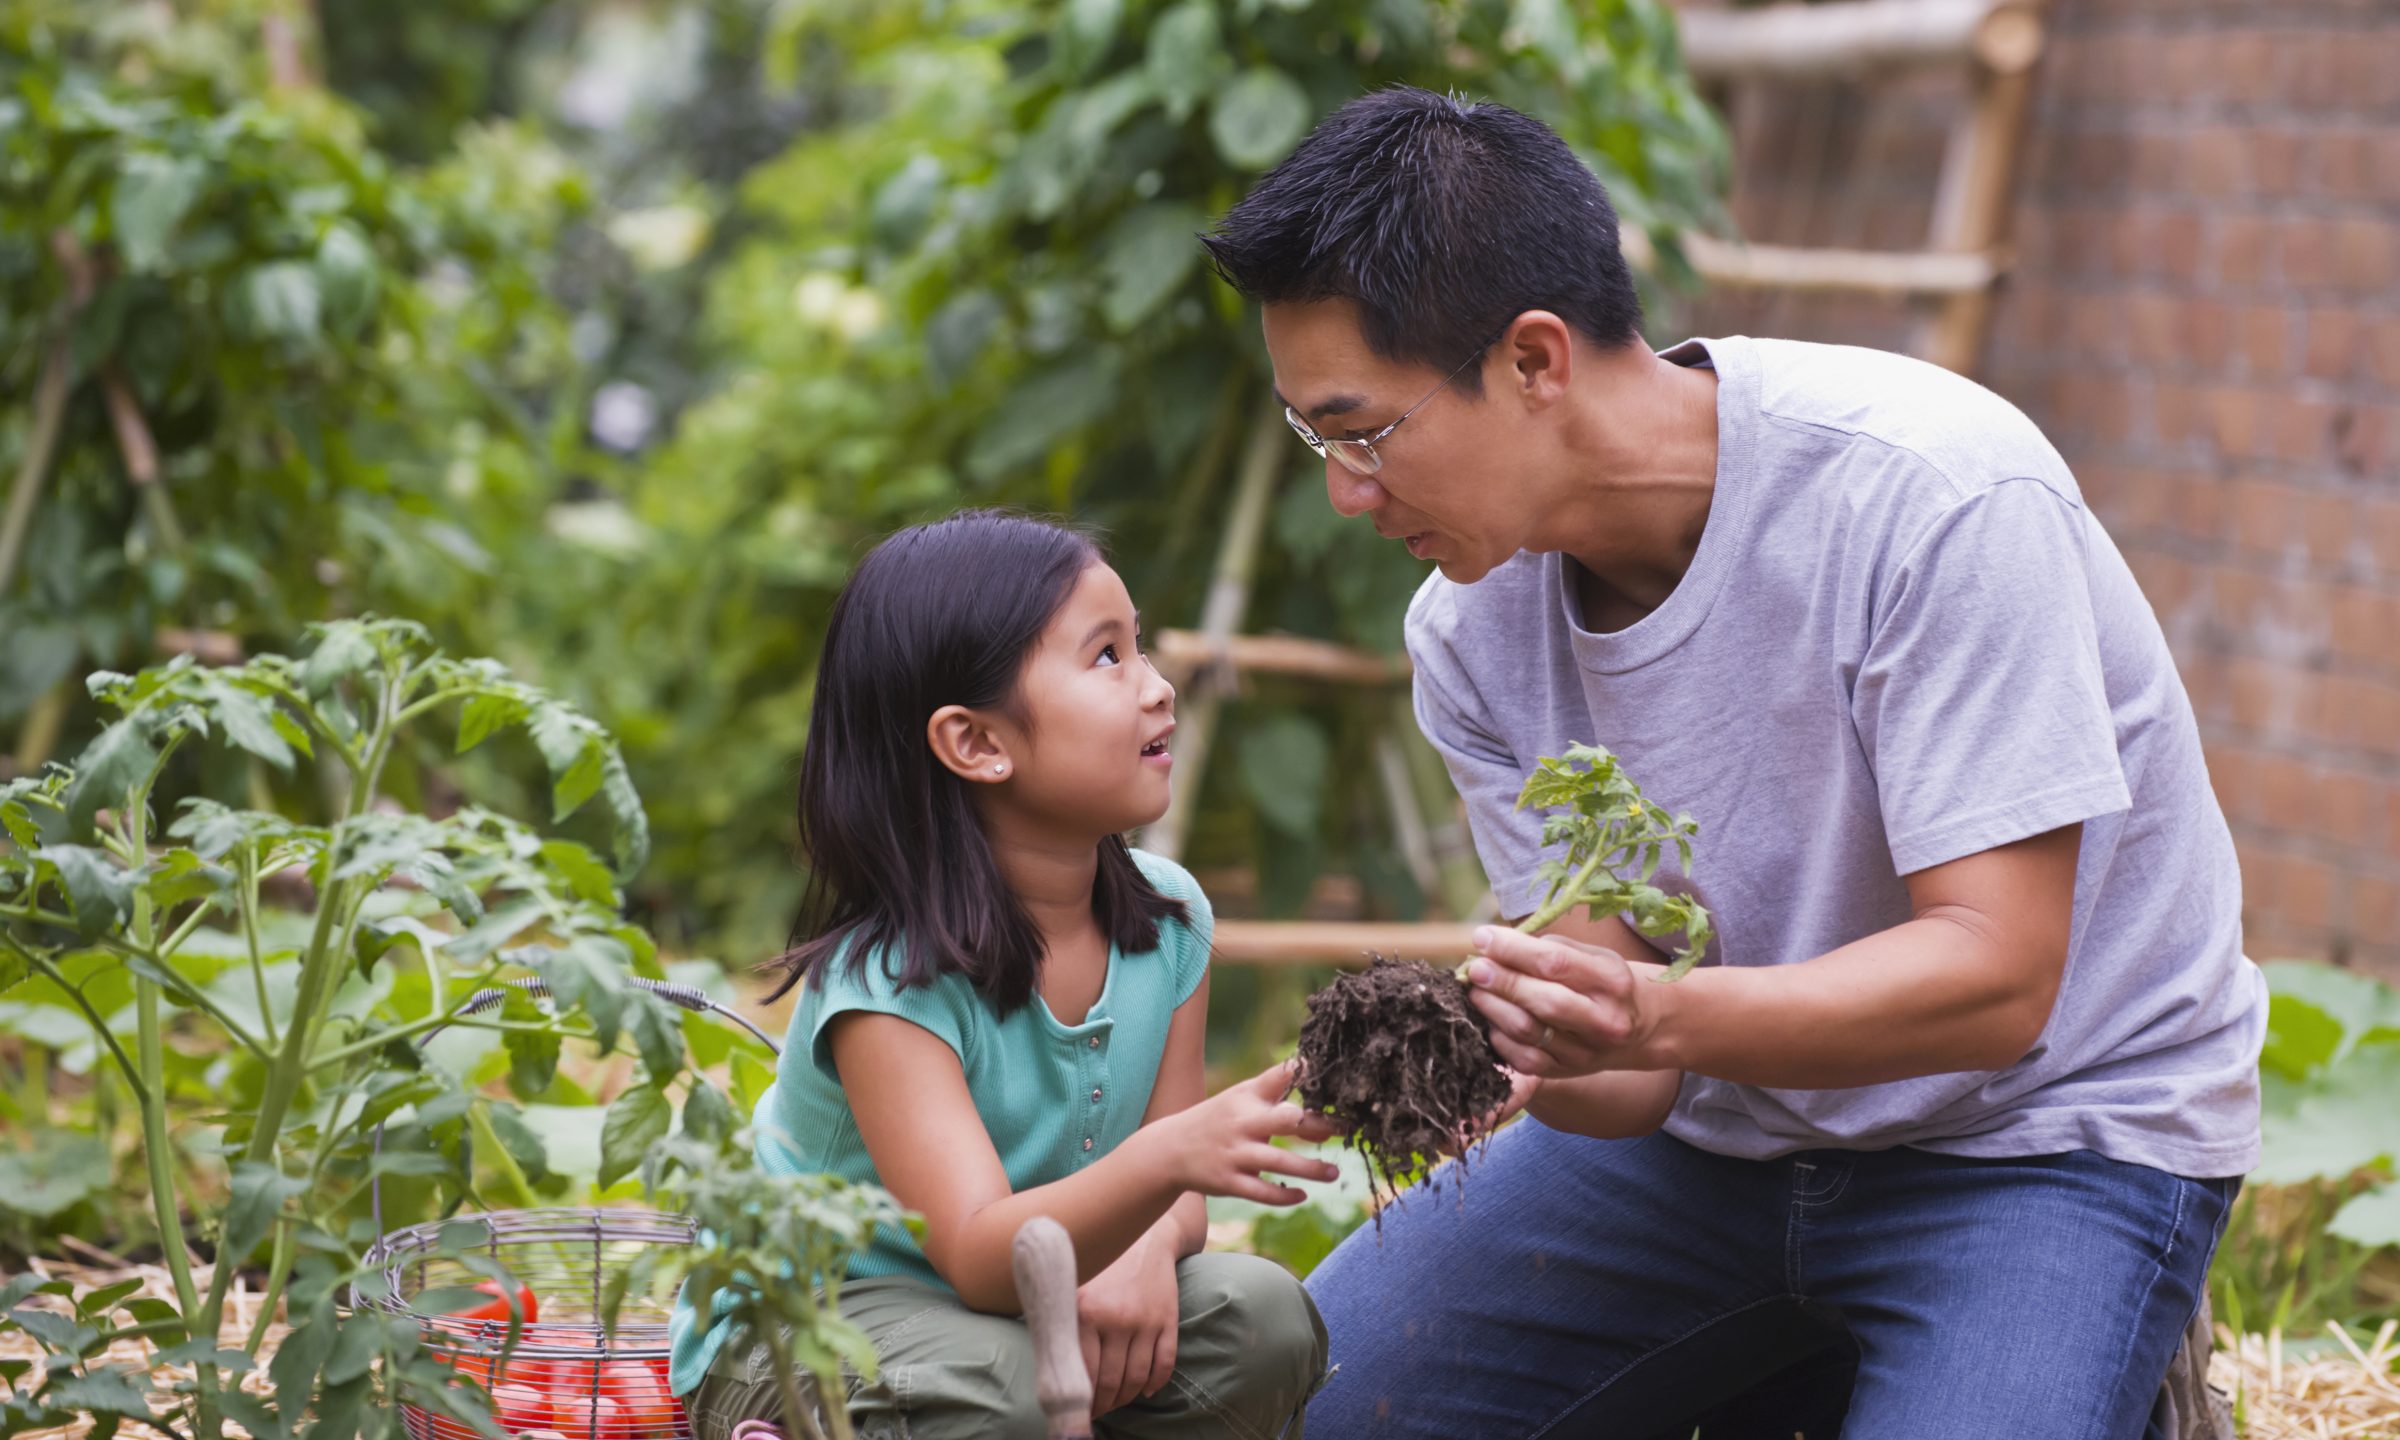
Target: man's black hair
{"points": [[1443, 219]]}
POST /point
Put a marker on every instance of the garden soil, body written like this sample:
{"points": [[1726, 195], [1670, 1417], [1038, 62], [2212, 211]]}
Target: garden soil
{"points": [[1403, 1064]]}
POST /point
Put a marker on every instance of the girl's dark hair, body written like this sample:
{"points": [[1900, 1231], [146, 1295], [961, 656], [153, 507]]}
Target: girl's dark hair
{"points": [[897, 861]]}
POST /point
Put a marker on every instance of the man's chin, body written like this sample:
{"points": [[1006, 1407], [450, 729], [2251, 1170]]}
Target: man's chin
{"points": [[1461, 570]]}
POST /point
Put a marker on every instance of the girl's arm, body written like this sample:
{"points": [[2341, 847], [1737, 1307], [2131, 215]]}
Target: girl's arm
{"points": [[1181, 1084], [909, 1095]]}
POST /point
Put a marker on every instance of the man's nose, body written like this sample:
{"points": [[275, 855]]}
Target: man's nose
{"points": [[1351, 493]]}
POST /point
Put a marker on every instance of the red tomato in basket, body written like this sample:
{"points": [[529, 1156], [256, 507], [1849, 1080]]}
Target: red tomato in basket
{"points": [[580, 1417], [521, 1407], [497, 1307], [649, 1407], [564, 1377]]}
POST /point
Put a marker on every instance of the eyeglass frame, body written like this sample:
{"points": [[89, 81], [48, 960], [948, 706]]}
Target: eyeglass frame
{"points": [[1324, 447]]}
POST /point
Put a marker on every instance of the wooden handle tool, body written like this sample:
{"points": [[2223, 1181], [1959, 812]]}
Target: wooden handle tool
{"points": [[1044, 1260]]}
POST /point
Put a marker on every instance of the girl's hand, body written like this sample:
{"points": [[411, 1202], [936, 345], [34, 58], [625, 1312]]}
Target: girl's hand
{"points": [[1219, 1146], [1128, 1316]]}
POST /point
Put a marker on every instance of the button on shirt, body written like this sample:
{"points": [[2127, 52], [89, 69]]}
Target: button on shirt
{"points": [[1053, 1097]]}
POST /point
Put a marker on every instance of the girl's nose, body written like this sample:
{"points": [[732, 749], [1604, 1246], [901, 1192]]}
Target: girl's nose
{"points": [[1160, 692], [1352, 494]]}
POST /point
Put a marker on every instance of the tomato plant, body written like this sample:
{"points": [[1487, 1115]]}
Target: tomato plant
{"points": [[150, 920]]}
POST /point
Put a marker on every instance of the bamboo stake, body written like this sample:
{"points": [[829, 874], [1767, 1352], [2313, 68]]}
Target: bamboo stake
{"points": [[1220, 616], [1188, 652], [1853, 37], [1971, 212], [49, 408], [1327, 942], [140, 454]]}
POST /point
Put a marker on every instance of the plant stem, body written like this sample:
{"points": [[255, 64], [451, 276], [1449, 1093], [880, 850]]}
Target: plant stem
{"points": [[1567, 897], [156, 1153], [277, 1270], [247, 903], [796, 1407], [125, 1062]]}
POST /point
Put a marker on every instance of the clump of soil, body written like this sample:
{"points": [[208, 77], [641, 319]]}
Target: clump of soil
{"points": [[1399, 1059]]}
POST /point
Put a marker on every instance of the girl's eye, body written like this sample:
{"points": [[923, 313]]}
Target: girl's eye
{"points": [[1108, 654]]}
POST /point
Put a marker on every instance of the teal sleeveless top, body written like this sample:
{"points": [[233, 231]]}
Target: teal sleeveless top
{"points": [[1053, 1097]]}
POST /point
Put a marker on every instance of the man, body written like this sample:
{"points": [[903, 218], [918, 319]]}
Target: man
{"points": [[1962, 1096]]}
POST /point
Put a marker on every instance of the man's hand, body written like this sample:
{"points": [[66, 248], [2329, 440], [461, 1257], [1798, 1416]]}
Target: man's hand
{"points": [[1128, 1317], [1557, 1007]]}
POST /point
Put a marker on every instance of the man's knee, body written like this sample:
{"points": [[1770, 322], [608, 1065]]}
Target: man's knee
{"points": [[1251, 1337]]}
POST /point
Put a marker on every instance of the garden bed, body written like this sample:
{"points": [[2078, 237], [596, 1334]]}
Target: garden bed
{"points": [[2341, 1390]]}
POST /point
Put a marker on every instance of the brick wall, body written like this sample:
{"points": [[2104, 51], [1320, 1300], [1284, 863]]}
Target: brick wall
{"points": [[2206, 320]]}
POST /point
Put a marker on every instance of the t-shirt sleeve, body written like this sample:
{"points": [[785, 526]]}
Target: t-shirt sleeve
{"points": [[1486, 772], [1186, 945], [1980, 701], [870, 987]]}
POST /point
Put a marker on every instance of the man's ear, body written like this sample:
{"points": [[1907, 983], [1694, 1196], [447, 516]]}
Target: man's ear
{"points": [[1540, 351], [967, 744]]}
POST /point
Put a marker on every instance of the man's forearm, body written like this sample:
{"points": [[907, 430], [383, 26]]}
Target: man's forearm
{"points": [[1922, 998], [1612, 1105]]}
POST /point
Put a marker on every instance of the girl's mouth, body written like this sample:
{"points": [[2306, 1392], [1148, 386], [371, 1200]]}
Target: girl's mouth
{"points": [[1157, 750]]}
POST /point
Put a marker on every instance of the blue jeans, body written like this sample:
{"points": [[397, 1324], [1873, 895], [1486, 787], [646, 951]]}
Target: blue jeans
{"points": [[1625, 1289]]}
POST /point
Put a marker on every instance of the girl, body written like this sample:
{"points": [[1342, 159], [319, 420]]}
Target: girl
{"points": [[1002, 1012]]}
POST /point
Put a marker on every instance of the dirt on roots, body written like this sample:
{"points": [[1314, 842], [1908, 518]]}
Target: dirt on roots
{"points": [[1403, 1064]]}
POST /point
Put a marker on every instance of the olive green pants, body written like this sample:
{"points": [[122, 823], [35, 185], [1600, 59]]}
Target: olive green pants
{"points": [[1250, 1352]]}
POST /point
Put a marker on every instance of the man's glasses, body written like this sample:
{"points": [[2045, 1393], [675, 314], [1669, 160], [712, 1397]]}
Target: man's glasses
{"points": [[1359, 456]]}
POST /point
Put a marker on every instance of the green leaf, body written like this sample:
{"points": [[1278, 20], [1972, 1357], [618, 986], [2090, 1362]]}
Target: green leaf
{"points": [[637, 1120], [582, 871], [95, 1304], [2300, 1037], [151, 195], [656, 1034], [484, 714], [259, 1193], [1151, 251], [2371, 1219], [706, 1113], [106, 1391], [1040, 412], [1186, 55], [1258, 118], [588, 974], [522, 1143], [277, 301], [98, 892], [108, 770], [2343, 1124], [532, 1060], [52, 1171], [247, 720], [1284, 762], [343, 649], [347, 277]]}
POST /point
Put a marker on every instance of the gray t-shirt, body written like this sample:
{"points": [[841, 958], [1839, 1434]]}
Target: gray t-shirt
{"points": [[1903, 639]]}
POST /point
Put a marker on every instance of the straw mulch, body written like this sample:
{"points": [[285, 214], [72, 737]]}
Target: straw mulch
{"points": [[2347, 1394], [96, 1268]]}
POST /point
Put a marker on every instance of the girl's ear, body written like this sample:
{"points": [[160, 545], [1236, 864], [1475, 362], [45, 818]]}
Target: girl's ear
{"points": [[968, 745]]}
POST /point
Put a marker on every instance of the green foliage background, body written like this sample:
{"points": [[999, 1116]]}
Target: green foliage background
{"points": [[866, 263]]}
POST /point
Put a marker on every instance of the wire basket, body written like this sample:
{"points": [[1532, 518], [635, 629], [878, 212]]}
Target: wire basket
{"points": [[566, 1376]]}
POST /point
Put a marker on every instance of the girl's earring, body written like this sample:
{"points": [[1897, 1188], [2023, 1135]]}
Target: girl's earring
{"points": [[999, 769]]}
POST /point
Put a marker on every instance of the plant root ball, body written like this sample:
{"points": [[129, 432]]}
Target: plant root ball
{"points": [[1400, 1060]]}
